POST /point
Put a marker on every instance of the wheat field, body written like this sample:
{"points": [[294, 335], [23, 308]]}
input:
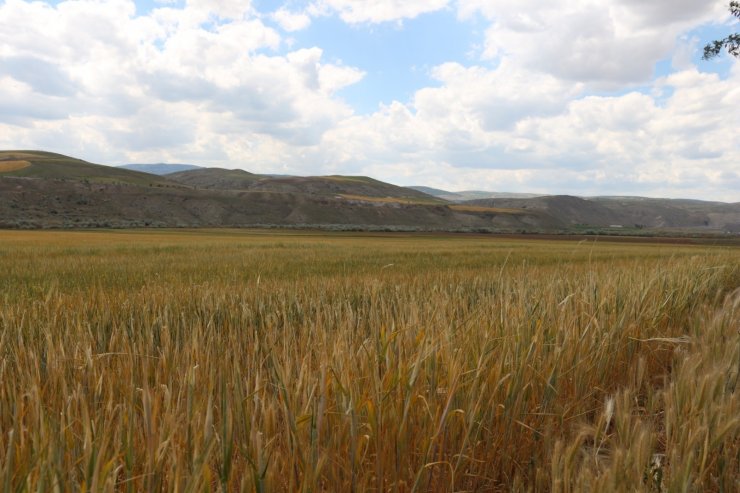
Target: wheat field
{"points": [[272, 361]]}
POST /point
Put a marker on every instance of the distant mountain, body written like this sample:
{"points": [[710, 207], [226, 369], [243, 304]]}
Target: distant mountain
{"points": [[471, 194], [160, 168], [430, 191]]}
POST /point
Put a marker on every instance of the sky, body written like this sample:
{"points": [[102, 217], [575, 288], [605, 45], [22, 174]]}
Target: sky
{"points": [[582, 97]]}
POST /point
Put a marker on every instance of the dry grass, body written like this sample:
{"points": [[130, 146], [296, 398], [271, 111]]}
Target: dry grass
{"points": [[17, 155], [390, 200], [6, 166], [495, 210], [237, 361]]}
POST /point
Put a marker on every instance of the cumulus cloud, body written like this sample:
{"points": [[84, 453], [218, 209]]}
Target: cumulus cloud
{"points": [[20, 105], [155, 82], [629, 143], [467, 121], [41, 76], [223, 9], [210, 82], [659, 13], [491, 99], [375, 11], [291, 21], [607, 45]]}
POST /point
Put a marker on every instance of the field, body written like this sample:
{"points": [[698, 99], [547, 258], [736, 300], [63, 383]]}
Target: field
{"points": [[263, 361]]}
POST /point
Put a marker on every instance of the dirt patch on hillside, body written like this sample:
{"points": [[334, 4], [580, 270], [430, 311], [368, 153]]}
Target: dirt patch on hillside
{"points": [[478, 208], [6, 166]]}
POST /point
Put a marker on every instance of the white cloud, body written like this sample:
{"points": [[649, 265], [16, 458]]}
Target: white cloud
{"points": [[467, 122], [22, 106], [676, 145], [291, 21], [211, 83], [41, 76], [223, 9], [376, 11], [606, 44], [491, 99], [160, 82], [660, 13]]}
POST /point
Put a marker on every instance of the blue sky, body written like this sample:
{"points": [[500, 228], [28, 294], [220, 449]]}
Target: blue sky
{"points": [[397, 58], [576, 97]]}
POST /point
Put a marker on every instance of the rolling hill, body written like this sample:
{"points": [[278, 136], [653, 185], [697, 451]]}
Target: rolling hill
{"points": [[38, 203], [51, 166], [215, 178], [352, 187], [42, 190], [627, 212]]}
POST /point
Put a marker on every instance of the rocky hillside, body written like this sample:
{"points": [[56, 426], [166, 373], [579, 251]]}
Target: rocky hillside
{"points": [[41, 189], [627, 212], [329, 186]]}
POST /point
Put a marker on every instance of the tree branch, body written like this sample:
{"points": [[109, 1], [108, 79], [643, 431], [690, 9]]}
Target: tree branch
{"points": [[731, 42]]}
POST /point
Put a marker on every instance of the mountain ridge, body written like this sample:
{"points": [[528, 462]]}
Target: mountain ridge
{"points": [[50, 165], [332, 185], [41, 189]]}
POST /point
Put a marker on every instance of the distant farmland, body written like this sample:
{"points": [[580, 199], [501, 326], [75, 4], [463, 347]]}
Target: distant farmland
{"points": [[260, 361]]}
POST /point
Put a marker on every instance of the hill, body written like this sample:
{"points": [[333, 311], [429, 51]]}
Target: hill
{"points": [[216, 178], [38, 203], [353, 187], [159, 168], [41, 190], [51, 166], [675, 212], [627, 212]]}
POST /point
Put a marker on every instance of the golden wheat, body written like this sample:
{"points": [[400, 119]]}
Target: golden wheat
{"points": [[253, 361]]}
